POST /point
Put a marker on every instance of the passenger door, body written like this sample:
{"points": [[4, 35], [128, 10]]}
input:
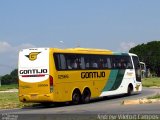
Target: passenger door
{"points": [[137, 68]]}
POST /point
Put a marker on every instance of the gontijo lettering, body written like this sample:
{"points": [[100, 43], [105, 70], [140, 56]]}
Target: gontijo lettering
{"points": [[33, 71], [92, 74]]}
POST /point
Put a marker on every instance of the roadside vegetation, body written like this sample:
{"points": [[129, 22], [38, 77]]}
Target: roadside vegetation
{"points": [[7, 87], [10, 100], [11, 78], [157, 96], [149, 54], [151, 82]]}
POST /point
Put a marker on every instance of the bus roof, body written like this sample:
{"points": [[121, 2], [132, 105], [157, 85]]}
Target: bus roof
{"points": [[89, 49], [98, 50], [83, 50]]}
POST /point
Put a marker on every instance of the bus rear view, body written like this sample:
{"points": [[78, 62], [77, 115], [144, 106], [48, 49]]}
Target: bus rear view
{"points": [[35, 83]]}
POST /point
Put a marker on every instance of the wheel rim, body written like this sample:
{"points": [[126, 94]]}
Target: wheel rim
{"points": [[86, 97], [76, 98]]}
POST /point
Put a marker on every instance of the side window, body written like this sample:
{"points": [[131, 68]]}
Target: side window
{"points": [[94, 62], [75, 61], [87, 62], [72, 61], [60, 61], [107, 62], [82, 62], [114, 62], [120, 62], [91, 61], [101, 62], [69, 61], [129, 63], [136, 62], [125, 62]]}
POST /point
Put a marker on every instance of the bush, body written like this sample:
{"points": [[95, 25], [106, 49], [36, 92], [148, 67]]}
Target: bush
{"points": [[11, 78]]}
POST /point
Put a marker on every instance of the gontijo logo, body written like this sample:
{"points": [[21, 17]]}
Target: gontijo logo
{"points": [[32, 56]]}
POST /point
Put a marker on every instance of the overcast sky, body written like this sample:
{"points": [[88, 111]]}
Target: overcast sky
{"points": [[117, 25]]}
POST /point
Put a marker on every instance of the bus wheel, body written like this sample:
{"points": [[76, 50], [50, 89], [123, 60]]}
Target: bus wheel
{"points": [[130, 89], [86, 96], [76, 96]]}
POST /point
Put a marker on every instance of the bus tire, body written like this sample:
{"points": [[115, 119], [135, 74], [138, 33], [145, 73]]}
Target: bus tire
{"points": [[76, 97], [130, 89], [86, 95]]}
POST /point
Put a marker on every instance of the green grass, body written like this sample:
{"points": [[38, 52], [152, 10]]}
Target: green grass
{"points": [[10, 100], [157, 96], [6, 87], [150, 82]]}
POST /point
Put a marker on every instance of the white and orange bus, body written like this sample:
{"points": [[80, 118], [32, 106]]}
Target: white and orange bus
{"points": [[76, 74]]}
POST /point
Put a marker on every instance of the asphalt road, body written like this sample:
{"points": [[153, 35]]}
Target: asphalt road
{"points": [[109, 105]]}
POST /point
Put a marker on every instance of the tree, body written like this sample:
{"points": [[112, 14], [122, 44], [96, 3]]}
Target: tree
{"points": [[11, 78], [150, 54], [14, 75]]}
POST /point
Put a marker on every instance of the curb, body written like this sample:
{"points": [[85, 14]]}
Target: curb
{"points": [[140, 101]]}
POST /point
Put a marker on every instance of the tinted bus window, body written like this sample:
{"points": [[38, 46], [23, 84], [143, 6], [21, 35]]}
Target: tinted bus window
{"points": [[60, 61], [91, 62]]}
